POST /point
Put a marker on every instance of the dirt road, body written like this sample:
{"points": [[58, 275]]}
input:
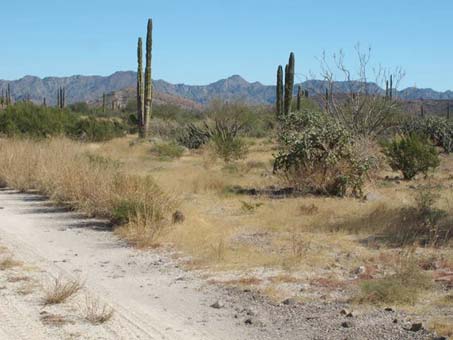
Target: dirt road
{"points": [[152, 299], [151, 296]]}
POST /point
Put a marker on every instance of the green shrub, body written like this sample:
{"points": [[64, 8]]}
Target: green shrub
{"points": [[27, 119], [317, 154], [97, 130], [225, 141], [194, 136], [437, 129], [168, 151], [411, 154]]}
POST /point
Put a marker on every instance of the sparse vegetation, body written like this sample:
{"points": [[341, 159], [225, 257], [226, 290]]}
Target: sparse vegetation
{"points": [[404, 286], [8, 263], [97, 312], [61, 290], [167, 150]]}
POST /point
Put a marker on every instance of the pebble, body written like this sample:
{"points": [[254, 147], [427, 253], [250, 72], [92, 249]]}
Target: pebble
{"points": [[218, 304]]}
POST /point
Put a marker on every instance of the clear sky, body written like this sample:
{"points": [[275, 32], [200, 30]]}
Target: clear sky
{"points": [[201, 41]]}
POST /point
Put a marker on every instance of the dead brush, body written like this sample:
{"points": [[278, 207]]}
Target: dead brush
{"points": [[61, 290], [96, 312], [9, 263]]}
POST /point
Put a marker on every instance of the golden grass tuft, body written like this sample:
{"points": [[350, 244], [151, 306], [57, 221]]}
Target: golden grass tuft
{"points": [[97, 312], [61, 290], [9, 263], [70, 172], [442, 326]]}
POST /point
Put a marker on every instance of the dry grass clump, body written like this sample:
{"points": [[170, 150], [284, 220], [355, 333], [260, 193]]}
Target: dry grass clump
{"points": [[70, 172], [8, 263], [404, 286], [61, 290], [14, 279], [97, 312], [54, 320], [442, 326]]}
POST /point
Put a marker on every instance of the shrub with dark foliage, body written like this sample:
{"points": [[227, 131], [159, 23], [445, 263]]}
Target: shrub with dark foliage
{"points": [[411, 154], [317, 154]]}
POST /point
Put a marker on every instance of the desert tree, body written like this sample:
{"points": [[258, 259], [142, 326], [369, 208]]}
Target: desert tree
{"points": [[356, 99]]}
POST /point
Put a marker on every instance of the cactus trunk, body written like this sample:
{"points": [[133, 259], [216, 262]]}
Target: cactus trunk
{"points": [[299, 97], [148, 82], [289, 83], [279, 101], [140, 89]]}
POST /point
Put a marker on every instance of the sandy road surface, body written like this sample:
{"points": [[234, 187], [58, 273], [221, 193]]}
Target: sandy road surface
{"points": [[152, 298]]}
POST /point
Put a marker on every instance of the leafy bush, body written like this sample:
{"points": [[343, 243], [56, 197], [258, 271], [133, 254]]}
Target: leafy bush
{"points": [[194, 136], [27, 119], [437, 129], [168, 151], [35, 121], [97, 130], [411, 154], [317, 154]]}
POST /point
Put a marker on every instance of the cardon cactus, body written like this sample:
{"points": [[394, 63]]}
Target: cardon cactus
{"points": [[279, 101], [148, 81], [289, 83]]}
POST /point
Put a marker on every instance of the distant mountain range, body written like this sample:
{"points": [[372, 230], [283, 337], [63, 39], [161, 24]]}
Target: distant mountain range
{"points": [[90, 89]]}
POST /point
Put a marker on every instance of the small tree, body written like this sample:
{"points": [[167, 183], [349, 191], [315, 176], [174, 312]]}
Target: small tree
{"points": [[357, 101], [411, 154]]}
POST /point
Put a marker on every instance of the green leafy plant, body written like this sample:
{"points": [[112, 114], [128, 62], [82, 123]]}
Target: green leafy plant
{"points": [[437, 129], [411, 154], [168, 150], [317, 154], [226, 142]]}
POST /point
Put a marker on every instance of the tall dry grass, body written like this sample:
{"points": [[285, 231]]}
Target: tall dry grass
{"points": [[67, 172]]}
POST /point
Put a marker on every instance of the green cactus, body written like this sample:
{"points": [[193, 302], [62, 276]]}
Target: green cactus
{"points": [[279, 101], [103, 102], [327, 100], [289, 83], [148, 81], [299, 97], [140, 87], [391, 87]]}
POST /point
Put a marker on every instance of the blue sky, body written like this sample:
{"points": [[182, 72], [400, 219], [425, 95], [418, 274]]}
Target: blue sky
{"points": [[201, 41]]}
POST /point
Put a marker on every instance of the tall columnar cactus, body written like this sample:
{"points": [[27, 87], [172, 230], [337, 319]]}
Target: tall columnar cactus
{"points": [[103, 102], [289, 83], [148, 82], [386, 89], [391, 87], [327, 99], [58, 98], [140, 88], [44, 102], [299, 97], [63, 96], [279, 101], [8, 95]]}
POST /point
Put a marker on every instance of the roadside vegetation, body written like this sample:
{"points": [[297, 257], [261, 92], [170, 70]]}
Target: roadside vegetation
{"points": [[327, 190]]}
